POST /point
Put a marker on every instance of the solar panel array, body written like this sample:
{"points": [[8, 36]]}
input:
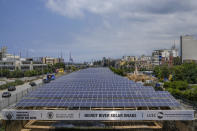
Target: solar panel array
{"points": [[96, 87]]}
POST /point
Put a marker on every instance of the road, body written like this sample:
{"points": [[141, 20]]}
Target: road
{"points": [[17, 94], [20, 88], [24, 87]]}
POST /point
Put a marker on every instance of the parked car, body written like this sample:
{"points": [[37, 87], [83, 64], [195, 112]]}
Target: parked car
{"points": [[11, 88], [6, 94], [32, 84], [45, 80]]}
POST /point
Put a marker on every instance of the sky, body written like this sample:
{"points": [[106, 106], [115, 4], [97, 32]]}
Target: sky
{"points": [[92, 29]]}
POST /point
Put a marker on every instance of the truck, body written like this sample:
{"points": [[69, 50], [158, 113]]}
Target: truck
{"points": [[48, 78]]}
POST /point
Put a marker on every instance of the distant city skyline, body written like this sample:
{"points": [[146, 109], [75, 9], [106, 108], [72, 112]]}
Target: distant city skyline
{"points": [[92, 29]]}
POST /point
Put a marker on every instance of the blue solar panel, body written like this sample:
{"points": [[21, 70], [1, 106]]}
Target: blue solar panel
{"points": [[96, 87]]}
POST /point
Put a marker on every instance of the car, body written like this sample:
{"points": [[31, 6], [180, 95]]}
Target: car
{"points": [[50, 77], [45, 80], [32, 84], [6, 94], [11, 88]]}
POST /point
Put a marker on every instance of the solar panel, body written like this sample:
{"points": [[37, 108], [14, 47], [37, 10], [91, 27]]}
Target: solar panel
{"points": [[96, 87]]}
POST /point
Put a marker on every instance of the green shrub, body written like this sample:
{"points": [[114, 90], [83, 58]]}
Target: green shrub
{"points": [[118, 71], [175, 92], [185, 72], [2, 128], [180, 88], [167, 84], [16, 74], [4, 73], [19, 82], [16, 83], [181, 85], [27, 74]]}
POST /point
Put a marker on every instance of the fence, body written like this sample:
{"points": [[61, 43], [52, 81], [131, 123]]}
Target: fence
{"points": [[5, 102], [193, 104]]}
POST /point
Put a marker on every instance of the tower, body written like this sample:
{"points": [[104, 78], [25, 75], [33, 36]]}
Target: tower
{"points": [[70, 58]]}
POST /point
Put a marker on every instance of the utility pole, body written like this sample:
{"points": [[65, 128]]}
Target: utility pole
{"points": [[27, 53], [61, 54], [20, 54]]}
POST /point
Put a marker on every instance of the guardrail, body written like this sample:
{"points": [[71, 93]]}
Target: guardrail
{"points": [[5, 102], [187, 102]]}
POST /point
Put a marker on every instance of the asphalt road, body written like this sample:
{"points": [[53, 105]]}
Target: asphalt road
{"points": [[19, 88]]}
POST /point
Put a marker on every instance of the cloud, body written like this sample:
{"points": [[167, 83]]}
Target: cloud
{"points": [[77, 8], [132, 27]]}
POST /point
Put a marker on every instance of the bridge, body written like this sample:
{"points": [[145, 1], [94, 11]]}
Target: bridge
{"points": [[97, 95]]}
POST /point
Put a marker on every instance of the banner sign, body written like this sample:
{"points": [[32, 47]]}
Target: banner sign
{"points": [[98, 115]]}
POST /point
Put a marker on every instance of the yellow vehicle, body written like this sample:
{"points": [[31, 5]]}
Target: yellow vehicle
{"points": [[170, 77], [61, 70]]}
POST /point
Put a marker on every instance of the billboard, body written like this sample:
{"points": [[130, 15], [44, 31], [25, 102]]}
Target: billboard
{"points": [[97, 115]]}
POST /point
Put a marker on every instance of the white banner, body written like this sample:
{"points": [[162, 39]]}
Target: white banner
{"points": [[98, 115]]}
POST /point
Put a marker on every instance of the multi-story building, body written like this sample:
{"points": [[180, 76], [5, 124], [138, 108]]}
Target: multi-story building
{"points": [[20, 65], [156, 57], [188, 48], [48, 60], [13, 62], [51, 60], [58, 60], [144, 63], [145, 58], [10, 65], [164, 56], [130, 58]]}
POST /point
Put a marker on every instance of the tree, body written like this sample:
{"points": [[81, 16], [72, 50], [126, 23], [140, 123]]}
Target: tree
{"points": [[73, 68], [176, 61], [157, 72], [165, 72], [178, 73], [186, 71], [59, 65], [180, 85], [5, 73], [27, 74], [16, 74], [118, 71], [190, 72]]}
